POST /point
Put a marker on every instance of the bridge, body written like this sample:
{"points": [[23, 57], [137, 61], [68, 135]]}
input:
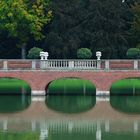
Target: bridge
{"points": [[39, 73]]}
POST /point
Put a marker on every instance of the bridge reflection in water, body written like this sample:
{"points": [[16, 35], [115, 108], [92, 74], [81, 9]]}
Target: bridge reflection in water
{"points": [[100, 122], [76, 130]]}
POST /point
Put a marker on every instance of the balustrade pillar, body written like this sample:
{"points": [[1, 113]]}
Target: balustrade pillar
{"points": [[135, 64], [107, 64], [33, 64], [71, 64], [98, 64], [5, 65], [43, 64]]}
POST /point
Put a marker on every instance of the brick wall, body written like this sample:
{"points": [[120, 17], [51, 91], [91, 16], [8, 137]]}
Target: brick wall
{"points": [[120, 64], [19, 64], [38, 80]]}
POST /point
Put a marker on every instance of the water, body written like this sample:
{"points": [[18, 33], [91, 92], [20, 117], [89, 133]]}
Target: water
{"points": [[70, 104], [69, 118]]}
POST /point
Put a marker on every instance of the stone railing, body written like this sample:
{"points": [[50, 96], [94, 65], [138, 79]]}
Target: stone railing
{"points": [[69, 64]]}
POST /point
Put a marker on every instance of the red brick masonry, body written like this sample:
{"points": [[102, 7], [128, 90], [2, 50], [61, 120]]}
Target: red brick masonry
{"points": [[38, 80]]}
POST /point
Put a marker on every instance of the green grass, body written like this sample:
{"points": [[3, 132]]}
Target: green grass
{"points": [[13, 86], [126, 87], [71, 86]]}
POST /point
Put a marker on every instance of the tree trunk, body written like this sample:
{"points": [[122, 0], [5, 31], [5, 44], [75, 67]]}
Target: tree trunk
{"points": [[23, 51]]}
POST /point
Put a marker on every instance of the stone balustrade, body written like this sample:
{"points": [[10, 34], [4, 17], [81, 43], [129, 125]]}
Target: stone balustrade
{"points": [[69, 64]]}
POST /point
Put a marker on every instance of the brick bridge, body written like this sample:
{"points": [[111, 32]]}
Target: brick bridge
{"points": [[38, 76]]}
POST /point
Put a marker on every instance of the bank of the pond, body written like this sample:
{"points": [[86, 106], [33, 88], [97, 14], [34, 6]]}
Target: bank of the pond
{"points": [[71, 86], [13, 86], [130, 86]]}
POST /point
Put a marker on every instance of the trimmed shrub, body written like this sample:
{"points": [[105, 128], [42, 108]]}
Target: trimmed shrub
{"points": [[138, 46], [84, 53], [34, 53], [133, 53]]}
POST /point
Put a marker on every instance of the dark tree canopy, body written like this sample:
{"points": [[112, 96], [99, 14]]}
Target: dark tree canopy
{"points": [[109, 26], [95, 24]]}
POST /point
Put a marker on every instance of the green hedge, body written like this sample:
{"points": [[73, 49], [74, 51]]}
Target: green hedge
{"points": [[84, 53], [71, 86], [130, 86], [133, 53]]}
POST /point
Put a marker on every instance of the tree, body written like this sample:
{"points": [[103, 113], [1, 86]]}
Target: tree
{"points": [[133, 53], [96, 24], [135, 26], [23, 19], [34, 53], [84, 53]]}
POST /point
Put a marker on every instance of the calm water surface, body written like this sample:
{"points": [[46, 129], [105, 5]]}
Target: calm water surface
{"points": [[69, 118]]}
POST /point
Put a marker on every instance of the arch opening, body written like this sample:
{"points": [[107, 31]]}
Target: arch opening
{"points": [[14, 86], [14, 95], [70, 86], [129, 101], [127, 86]]}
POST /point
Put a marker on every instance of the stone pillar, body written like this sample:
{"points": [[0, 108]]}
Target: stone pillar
{"points": [[42, 64], [5, 65], [135, 64], [38, 92], [33, 64], [98, 64], [71, 64], [107, 64]]}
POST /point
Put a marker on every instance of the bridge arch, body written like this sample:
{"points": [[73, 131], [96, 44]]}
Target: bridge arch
{"points": [[21, 76], [14, 85], [128, 85], [121, 78], [72, 82]]}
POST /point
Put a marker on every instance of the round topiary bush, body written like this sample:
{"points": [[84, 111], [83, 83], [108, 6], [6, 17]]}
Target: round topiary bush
{"points": [[34, 53], [84, 53], [133, 53], [138, 46]]}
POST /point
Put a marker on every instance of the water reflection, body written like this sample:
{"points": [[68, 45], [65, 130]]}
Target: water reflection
{"points": [[128, 104], [70, 104], [70, 130], [13, 103]]}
